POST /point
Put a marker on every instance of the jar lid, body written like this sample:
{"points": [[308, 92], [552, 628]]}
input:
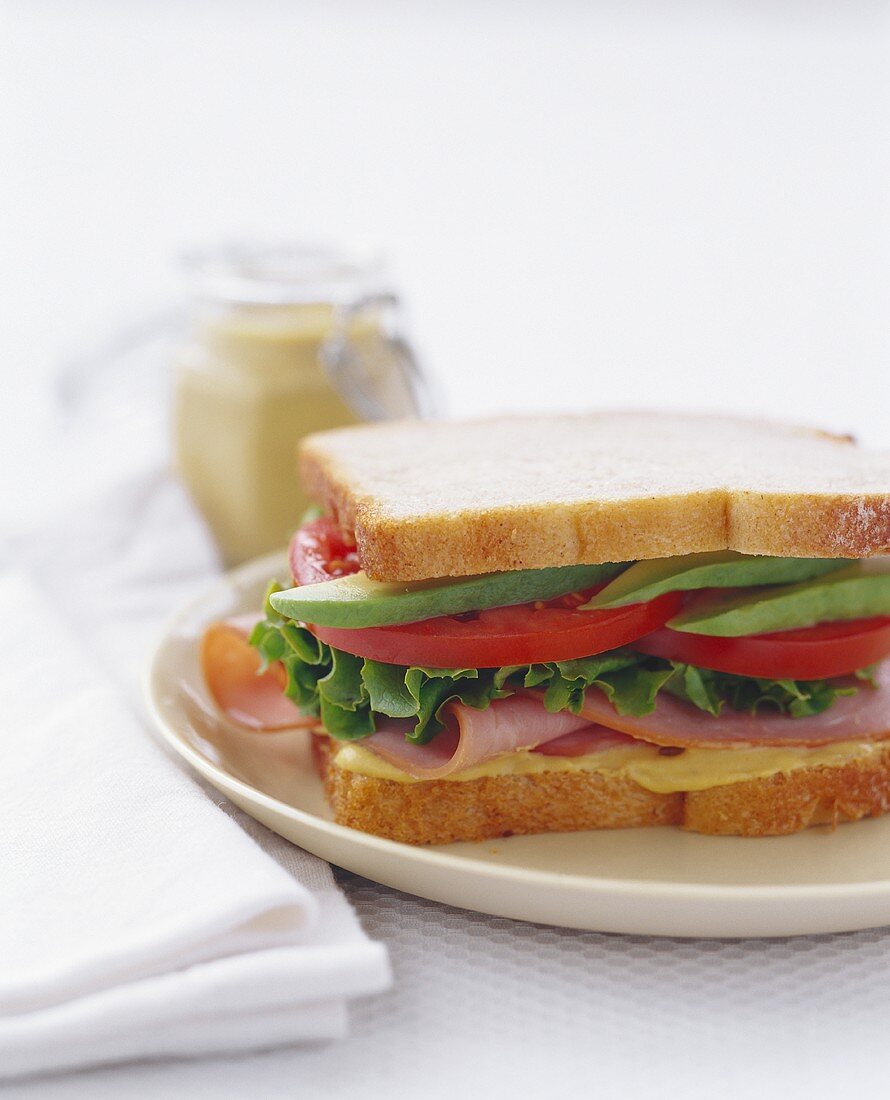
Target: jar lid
{"points": [[282, 274]]}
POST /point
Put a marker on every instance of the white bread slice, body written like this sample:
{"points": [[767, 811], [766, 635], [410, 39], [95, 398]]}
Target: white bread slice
{"points": [[436, 499], [439, 811]]}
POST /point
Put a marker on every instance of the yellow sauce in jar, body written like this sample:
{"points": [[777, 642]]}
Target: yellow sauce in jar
{"points": [[248, 389], [251, 382]]}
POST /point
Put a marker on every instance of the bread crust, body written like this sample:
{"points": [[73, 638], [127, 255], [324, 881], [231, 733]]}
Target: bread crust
{"points": [[442, 499], [443, 811], [438, 811]]}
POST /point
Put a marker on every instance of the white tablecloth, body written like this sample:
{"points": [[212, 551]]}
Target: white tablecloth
{"points": [[489, 1007]]}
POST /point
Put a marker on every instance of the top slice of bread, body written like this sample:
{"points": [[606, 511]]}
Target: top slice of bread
{"points": [[428, 499]]}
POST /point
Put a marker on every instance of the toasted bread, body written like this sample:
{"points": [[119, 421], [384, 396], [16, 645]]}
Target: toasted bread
{"points": [[442, 811], [439, 499]]}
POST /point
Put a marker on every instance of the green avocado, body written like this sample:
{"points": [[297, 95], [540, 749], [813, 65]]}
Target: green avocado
{"points": [[857, 592], [722, 569], [357, 601]]}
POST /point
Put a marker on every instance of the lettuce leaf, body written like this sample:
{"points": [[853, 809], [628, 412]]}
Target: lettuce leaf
{"points": [[710, 691], [347, 691]]}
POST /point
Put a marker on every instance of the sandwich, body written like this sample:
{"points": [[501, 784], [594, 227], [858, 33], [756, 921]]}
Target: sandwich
{"points": [[551, 623]]}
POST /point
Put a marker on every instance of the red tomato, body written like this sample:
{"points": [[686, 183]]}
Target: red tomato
{"points": [[319, 552], [518, 635], [812, 653]]}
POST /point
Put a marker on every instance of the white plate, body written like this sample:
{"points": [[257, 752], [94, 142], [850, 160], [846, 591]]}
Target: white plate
{"points": [[657, 881]]}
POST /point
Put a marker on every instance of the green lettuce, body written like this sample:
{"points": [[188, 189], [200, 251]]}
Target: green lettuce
{"points": [[346, 692], [710, 691]]}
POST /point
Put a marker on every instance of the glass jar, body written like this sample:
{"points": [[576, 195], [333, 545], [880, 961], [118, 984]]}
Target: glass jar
{"points": [[282, 342]]}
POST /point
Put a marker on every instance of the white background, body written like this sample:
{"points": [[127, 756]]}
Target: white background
{"points": [[620, 204], [587, 204]]}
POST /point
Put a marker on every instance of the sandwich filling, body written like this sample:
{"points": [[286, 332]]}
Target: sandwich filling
{"points": [[696, 670]]}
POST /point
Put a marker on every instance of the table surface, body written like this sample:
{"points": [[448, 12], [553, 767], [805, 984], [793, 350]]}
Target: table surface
{"points": [[490, 1007]]}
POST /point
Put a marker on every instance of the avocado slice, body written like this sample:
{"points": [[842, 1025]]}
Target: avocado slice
{"points": [[357, 601], [722, 569], [857, 592]]}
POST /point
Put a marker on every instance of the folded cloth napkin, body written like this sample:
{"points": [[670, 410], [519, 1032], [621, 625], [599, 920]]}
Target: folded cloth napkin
{"points": [[138, 919]]}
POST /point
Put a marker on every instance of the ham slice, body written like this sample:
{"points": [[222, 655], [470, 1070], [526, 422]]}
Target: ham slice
{"points": [[586, 740], [230, 669], [863, 716], [472, 736]]}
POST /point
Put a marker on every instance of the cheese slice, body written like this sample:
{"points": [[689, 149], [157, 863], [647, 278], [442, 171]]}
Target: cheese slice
{"points": [[691, 770]]}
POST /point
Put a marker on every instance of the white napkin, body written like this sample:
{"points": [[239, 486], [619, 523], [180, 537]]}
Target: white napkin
{"points": [[137, 918]]}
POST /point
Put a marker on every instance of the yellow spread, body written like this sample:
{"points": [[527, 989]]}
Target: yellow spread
{"points": [[691, 770]]}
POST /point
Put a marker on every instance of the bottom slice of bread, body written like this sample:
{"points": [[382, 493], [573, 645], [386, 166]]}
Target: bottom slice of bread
{"points": [[442, 811]]}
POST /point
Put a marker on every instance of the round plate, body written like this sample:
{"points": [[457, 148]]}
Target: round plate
{"points": [[656, 881]]}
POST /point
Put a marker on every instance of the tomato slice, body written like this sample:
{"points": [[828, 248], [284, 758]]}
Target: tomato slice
{"points": [[811, 653], [518, 635], [557, 631], [319, 552]]}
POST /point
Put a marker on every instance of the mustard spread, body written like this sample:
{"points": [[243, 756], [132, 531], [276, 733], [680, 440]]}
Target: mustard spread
{"points": [[691, 770]]}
